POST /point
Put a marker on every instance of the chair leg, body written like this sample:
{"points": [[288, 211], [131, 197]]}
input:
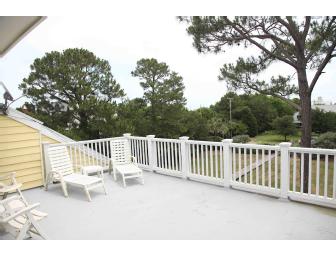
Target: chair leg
{"points": [[87, 194], [64, 188], [36, 226], [104, 188], [47, 182], [124, 181], [114, 174], [23, 230]]}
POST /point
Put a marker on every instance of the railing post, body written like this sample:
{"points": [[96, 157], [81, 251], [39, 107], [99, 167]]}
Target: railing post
{"points": [[127, 135], [284, 170], [46, 163], [184, 157], [151, 152], [227, 164]]}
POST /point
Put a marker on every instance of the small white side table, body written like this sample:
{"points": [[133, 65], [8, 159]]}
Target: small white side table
{"points": [[99, 170]]}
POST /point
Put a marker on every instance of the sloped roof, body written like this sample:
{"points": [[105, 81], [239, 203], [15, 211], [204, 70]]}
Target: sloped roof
{"points": [[36, 124], [14, 28]]}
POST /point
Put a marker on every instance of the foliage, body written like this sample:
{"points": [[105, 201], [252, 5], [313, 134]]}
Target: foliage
{"points": [[323, 121], [256, 111], [326, 140], [285, 126], [132, 117], [73, 92], [163, 91], [241, 139]]}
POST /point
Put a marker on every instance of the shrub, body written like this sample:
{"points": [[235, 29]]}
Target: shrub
{"points": [[241, 139], [326, 140]]}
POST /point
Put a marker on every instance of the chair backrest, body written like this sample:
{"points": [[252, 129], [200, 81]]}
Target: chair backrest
{"points": [[59, 160], [120, 151]]}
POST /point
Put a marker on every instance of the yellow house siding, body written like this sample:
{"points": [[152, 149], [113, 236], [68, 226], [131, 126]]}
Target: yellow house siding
{"points": [[46, 139], [20, 152]]}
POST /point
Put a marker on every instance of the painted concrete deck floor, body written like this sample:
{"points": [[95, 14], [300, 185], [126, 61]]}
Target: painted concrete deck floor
{"points": [[171, 208]]}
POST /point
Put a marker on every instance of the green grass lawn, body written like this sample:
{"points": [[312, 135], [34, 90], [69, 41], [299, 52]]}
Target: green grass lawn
{"points": [[271, 138]]}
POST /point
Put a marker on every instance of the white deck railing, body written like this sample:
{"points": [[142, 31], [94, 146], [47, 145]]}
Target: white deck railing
{"points": [[271, 170]]}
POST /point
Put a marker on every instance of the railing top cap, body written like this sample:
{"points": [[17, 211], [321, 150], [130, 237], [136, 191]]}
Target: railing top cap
{"points": [[184, 137], [285, 144], [227, 140], [127, 134], [150, 136]]}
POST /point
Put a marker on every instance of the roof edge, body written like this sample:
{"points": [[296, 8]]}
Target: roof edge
{"points": [[37, 124]]}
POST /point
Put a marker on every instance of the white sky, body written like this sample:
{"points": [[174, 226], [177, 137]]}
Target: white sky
{"points": [[122, 40]]}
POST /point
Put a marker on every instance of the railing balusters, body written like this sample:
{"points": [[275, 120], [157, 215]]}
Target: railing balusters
{"points": [[211, 161], [245, 166], [294, 171], [257, 166], [206, 160], [198, 160], [216, 162], [334, 182], [239, 164], [269, 168], [301, 172], [263, 167], [276, 170], [234, 164], [251, 170], [317, 188], [310, 174], [221, 173], [173, 155], [169, 155], [326, 175], [194, 159], [202, 157]]}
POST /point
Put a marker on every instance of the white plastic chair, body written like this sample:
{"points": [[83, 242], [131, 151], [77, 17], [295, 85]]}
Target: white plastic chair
{"points": [[122, 162], [62, 171], [20, 221], [12, 187]]}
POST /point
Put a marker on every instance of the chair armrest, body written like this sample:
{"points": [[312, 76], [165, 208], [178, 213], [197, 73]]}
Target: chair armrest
{"points": [[8, 176], [57, 174], [7, 200], [18, 213]]}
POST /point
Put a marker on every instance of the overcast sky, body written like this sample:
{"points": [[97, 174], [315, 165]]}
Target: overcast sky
{"points": [[122, 40]]}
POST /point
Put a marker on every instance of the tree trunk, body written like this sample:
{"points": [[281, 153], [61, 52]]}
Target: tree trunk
{"points": [[306, 128]]}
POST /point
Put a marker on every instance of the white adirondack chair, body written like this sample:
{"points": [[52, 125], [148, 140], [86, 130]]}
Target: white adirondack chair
{"points": [[20, 222], [62, 171], [12, 187], [122, 162]]}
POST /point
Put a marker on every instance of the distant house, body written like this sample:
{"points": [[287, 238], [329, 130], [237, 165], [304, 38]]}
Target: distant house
{"points": [[320, 104]]}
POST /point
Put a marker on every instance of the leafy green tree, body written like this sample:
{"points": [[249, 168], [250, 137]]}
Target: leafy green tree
{"points": [[194, 125], [217, 127], [263, 111], [324, 121], [302, 43], [245, 115], [74, 92], [285, 126], [163, 91], [132, 117]]}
